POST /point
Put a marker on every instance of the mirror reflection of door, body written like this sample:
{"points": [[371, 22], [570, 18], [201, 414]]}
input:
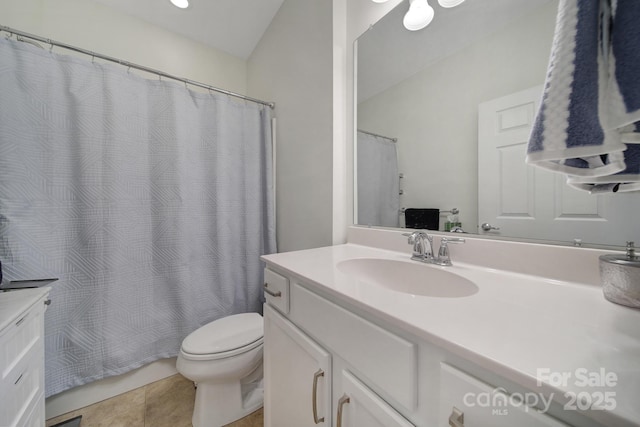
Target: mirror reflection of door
{"points": [[521, 200]]}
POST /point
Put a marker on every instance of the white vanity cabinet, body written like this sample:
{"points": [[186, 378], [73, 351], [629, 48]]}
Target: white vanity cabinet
{"points": [[22, 357], [334, 365]]}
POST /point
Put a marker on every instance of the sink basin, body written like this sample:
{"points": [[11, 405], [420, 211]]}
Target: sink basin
{"points": [[408, 277]]}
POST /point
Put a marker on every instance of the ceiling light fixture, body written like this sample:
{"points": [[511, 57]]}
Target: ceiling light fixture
{"points": [[379, 1], [420, 14], [182, 4], [449, 3]]}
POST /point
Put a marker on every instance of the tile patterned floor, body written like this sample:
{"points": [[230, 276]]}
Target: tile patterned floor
{"points": [[165, 403]]}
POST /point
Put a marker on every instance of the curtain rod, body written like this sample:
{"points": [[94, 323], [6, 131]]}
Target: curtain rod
{"points": [[52, 43], [379, 136]]}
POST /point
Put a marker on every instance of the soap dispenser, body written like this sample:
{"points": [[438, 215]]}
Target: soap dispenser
{"points": [[620, 276]]}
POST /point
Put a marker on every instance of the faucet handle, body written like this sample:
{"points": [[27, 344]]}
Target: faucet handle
{"points": [[411, 236], [443, 254]]}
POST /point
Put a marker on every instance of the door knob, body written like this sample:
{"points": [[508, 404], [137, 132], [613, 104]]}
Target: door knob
{"points": [[486, 227]]}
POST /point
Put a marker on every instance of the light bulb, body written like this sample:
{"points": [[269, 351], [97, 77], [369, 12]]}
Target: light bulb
{"points": [[420, 14], [450, 3], [182, 4]]}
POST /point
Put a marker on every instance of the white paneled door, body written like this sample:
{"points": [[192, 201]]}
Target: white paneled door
{"points": [[529, 202]]}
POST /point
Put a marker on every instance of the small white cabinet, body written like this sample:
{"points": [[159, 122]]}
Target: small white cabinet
{"points": [[22, 357]]}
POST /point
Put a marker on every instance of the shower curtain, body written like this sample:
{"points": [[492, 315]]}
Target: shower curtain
{"points": [[152, 203], [378, 181]]}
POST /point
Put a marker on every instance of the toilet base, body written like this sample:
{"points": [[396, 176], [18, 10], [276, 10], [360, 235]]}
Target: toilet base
{"points": [[219, 404]]}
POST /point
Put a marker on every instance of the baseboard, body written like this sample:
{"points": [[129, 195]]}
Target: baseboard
{"points": [[97, 391]]}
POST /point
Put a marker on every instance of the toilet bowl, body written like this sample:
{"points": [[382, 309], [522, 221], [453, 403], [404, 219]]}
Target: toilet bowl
{"points": [[224, 359]]}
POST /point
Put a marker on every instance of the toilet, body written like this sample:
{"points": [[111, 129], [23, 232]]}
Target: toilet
{"points": [[224, 359]]}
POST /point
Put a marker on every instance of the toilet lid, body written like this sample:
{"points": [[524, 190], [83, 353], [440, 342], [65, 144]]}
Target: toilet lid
{"points": [[225, 334]]}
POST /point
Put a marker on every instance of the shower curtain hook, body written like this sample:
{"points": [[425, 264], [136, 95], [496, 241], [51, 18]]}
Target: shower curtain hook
{"points": [[50, 45]]}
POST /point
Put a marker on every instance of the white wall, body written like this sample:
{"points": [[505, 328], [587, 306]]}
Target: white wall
{"points": [[304, 63], [434, 113], [292, 65], [93, 26]]}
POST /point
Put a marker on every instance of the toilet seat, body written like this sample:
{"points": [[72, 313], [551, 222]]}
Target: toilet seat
{"points": [[225, 337]]}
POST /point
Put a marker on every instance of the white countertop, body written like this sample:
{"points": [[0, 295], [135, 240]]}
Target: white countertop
{"points": [[515, 325], [14, 303]]}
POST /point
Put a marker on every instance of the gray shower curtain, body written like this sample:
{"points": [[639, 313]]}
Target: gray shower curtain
{"points": [[378, 181], [152, 203]]}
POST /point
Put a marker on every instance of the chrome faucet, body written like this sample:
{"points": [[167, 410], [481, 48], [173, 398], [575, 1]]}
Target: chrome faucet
{"points": [[443, 253], [422, 246]]}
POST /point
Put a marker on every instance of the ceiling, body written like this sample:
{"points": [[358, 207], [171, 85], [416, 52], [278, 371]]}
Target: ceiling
{"points": [[389, 54], [233, 26]]}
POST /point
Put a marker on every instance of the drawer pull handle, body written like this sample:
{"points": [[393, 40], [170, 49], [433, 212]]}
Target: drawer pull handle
{"points": [[270, 292], [456, 419], [18, 380], [344, 399], [20, 321], [314, 397]]}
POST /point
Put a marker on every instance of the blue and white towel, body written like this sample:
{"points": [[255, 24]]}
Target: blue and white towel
{"points": [[588, 123]]}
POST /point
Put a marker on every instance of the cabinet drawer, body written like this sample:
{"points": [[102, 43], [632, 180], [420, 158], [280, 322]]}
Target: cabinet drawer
{"points": [[35, 416], [484, 405], [22, 389], [276, 290], [387, 361], [18, 340]]}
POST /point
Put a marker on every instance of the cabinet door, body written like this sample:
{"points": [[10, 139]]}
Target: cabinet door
{"points": [[358, 406], [469, 402], [297, 376]]}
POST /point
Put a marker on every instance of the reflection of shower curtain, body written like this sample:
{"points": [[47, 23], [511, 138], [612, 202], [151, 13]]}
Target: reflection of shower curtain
{"points": [[150, 202], [378, 181]]}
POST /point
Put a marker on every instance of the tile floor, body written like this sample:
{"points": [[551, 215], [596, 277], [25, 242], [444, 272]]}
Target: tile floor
{"points": [[165, 403]]}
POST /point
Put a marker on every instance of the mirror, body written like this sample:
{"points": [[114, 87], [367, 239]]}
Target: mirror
{"points": [[430, 90]]}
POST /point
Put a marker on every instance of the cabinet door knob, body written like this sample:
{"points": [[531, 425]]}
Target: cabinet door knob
{"points": [[270, 292], [344, 399], [456, 419], [314, 397]]}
